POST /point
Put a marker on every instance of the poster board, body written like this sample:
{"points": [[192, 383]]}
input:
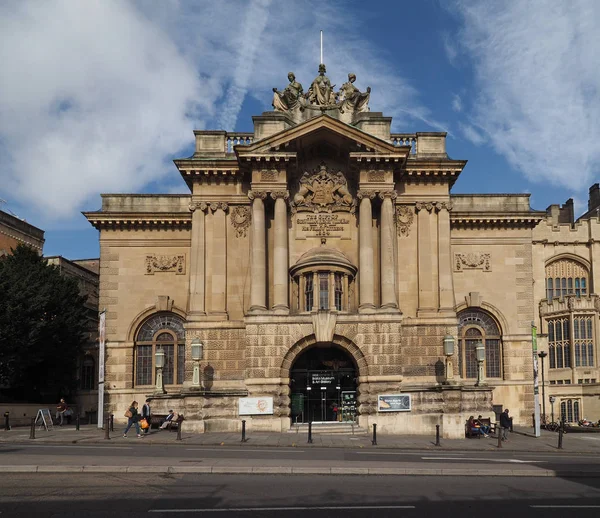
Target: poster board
{"points": [[44, 418], [256, 406], [394, 403]]}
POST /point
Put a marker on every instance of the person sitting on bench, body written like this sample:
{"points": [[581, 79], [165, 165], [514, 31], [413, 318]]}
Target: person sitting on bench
{"points": [[475, 427], [484, 427], [170, 419]]}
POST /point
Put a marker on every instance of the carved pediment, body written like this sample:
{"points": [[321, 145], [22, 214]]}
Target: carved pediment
{"points": [[322, 190]]}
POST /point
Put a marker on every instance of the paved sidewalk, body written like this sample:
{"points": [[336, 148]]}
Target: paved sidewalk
{"points": [[521, 440]]}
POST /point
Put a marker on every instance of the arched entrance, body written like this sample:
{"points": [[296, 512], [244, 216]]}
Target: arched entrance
{"points": [[323, 384]]}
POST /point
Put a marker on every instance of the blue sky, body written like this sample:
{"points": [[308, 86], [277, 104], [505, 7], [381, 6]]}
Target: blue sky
{"points": [[100, 96]]}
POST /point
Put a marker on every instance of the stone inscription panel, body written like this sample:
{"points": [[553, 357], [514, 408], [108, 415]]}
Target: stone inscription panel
{"points": [[322, 225]]}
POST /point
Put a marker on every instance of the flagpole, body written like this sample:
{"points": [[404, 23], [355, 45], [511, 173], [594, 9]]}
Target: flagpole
{"points": [[321, 47]]}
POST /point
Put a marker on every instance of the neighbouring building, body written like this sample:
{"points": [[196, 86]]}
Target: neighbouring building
{"points": [[330, 273], [15, 231], [86, 273]]}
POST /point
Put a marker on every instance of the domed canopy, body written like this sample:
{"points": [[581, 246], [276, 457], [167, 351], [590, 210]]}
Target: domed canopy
{"points": [[323, 256]]}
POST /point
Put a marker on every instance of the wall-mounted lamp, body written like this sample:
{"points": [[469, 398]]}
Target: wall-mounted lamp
{"points": [[159, 362], [197, 355], [449, 352], [480, 356]]}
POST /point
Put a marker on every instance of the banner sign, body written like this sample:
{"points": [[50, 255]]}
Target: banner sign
{"points": [[101, 356], [256, 406], [393, 403], [318, 378], [536, 388]]}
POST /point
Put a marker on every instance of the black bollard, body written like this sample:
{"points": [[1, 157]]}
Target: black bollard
{"points": [[561, 430], [437, 435], [179, 425], [310, 432], [77, 422], [374, 441], [243, 430], [112, 422], [7, 421], [32, 431], [107, 428]]}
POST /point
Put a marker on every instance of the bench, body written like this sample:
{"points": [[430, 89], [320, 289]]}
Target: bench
{"points": [[158, 419], [485, 421]]}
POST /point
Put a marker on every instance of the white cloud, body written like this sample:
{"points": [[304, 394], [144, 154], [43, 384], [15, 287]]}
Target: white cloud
{"points": [[539, 83], [98, 96], [471, 134], [457, 103], [450, 48]]}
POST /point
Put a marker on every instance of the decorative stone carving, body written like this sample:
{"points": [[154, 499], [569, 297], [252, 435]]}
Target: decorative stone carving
{"points": [[376, 176], [324, 326], [280, 194], [351, 98], [405, 216], [424, 205], [257, 194], [472, 261], [269, 175], [198, 205], [165, 263], [321, 92], [241, 217], [216, 205], [323, 191], [290, 98], [366, 194]]}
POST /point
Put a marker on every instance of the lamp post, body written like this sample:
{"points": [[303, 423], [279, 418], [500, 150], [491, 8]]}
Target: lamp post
{"points": [[449, 352], [197, 354], [159, 361], [552, 400], [542, 355], [480, 355]]}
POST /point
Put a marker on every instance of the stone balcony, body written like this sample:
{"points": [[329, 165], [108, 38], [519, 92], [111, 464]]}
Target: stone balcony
{"points": [[570, 303]]}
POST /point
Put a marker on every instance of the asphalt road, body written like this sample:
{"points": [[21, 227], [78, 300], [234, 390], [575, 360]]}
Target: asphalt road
{"points": [[152, 495], [138, 453]]}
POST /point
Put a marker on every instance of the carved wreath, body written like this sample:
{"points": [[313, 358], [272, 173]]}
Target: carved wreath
{"points": [[472, 261], [323, 191], [241, 216], [405, 216], [165, 263]]}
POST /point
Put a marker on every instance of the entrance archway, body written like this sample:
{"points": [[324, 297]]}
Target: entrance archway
{"points": [[323, 382]]}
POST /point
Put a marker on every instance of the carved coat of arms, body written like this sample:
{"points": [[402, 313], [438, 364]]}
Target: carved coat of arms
{"points": [[323, 191]]}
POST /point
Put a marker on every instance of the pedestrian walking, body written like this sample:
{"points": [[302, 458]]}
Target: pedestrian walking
{"points": [[505, 424], [146, 414], [133, 418]]}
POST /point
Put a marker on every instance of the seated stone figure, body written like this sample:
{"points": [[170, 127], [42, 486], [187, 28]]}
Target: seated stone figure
{"points": [[291, 96], [352, 100], [321, 91]]}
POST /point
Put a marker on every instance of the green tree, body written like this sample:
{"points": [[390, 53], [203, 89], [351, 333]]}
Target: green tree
{"points": [[42, 325]]}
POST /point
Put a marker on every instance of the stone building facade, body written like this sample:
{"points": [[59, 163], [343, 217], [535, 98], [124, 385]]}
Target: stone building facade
{"points": [[322, 261], [15, 231]]}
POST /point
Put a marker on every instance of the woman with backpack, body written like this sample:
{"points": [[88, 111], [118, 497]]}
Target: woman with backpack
{"points": [[133, 417]]}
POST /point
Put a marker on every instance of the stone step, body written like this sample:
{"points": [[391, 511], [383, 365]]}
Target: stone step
{"points": [[329, 428]]}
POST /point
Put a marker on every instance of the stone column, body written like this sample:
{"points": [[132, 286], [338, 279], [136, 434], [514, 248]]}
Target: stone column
{"points": [[197, 260], [258, 282], [218, 301], [445, 257], [366, 272], [427, 257], [280, 254], [387, 275]]}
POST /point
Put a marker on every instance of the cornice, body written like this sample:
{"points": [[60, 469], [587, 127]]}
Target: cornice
{"points": [[106, 221], [464, 220]]}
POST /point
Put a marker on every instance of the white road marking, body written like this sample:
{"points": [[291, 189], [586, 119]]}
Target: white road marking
{"points": [[591, 438], [256, 509], [454, 456], [260, 450], [73, 446], [566, 506], [515, 461]]}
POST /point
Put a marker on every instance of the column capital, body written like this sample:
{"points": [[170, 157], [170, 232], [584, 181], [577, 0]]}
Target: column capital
{"points": [[201, 205], [216, 205], [261, 195], [280, 194], [392, 195], [366, 194], [424, 205]]}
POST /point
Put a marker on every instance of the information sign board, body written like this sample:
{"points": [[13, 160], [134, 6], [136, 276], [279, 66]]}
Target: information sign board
{"points": [[44, 418], [255, 406], [393, 403]]}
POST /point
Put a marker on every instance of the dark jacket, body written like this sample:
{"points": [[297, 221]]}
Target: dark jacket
{"points": [[146, 412], [135, 416], [504, 420]]}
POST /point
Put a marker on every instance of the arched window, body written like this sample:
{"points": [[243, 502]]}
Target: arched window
{"points": [[162, 331], [475, 326], [88, 371], [566, 277]]}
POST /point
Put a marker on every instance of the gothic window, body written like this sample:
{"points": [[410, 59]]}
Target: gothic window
{"points": [[559, 342], [476, 326], [88, 371], [164, 331], [569, 410], [583, 341], [566, 277]]}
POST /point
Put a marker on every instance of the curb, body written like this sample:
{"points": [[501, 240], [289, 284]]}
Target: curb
{"points": [[257, 470]]}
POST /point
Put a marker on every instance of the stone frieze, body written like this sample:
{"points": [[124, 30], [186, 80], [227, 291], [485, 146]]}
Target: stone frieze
{"points": [[241, 217], [165, 263], [405, 215], [472, 261]]}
